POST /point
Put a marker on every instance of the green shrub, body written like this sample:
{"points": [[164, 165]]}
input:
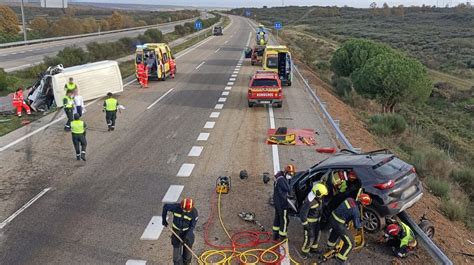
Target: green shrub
{"points": [[180, 30], [465, 178], [387, 124], [454, 209], [154, 35], [7, 82], [431, 162], [69, 56], [343, 85], [439, 187]]}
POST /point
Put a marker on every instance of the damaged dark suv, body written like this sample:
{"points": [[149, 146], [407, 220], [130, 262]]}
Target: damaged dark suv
{"points": [[391, 182]]}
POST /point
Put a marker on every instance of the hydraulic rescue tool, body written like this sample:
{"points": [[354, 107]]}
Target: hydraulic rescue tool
{"points": [[223, 184]]}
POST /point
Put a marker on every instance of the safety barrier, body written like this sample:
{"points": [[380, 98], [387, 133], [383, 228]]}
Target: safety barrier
{"points": [[20, 43]]}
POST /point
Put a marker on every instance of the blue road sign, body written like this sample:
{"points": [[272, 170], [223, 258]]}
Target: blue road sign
{"points": [[198, 24], [278, 25], [248, 13]]}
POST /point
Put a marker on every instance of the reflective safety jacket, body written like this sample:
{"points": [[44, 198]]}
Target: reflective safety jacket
{"points": [[18, 98], [111, 104], [182, 221], [310, 209], [70, 87], [348, 211], [140, 69], [406, 235], [68, 102], [78, 127], [281, 191]]}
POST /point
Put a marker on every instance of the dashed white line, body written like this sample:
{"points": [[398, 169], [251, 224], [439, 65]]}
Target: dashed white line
{"points": [[232, 79], [225, 42], [160, 98], [195, 151], [173, 193], [239, 64], [219, 106], [135, 262], [204, 136], [228, 88], [230, 83], [234, 75], [236, 71], [185, 170], [24, 207], [216, 51], [222, 99], [214, 115], [194, 47], [209, 124], [225, 93], [199, 66], [153, 229]]}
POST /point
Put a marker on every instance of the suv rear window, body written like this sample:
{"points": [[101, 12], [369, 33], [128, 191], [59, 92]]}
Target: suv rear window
{"points": [[390, 166], [264, 82]]}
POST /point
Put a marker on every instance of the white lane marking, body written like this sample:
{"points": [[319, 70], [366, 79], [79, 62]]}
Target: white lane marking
{"points": [[135, 262], [219, 106], [185, 170], [222, 99], [230, 83], [199, 66], [160, 98], [215, 115], [228, 88], [236, 71], [203, 136], [192, 48], [46, 126], [276, 158], [173, 193], [232, 79], [209, 124], [24, 207], [134, 80], [234, 75], [225, 93], [153, 229], [225, 42], [237, 67], [239, 64], [217, 50], [13, 53], [195, 151]]}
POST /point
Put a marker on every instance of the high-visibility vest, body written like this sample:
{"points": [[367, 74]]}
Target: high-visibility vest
{"points": [[70, 87], [140, 69], [77, 127], [111, 104], [18, 96], [70, 102]]}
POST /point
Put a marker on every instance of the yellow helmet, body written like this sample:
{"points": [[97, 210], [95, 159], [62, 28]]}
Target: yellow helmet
{"points": [[320, 190]]}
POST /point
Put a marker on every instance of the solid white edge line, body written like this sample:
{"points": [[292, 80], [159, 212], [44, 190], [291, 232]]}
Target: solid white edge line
{"points": [[192, 48], [199, 66], [275, 156], [203, 136], [24, 207], [160, 98], [218, 49], [135, 262], [153, 229], [185, 170], [173, 193]]}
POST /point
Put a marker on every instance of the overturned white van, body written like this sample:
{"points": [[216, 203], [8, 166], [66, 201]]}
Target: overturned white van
{"points": [[94, 80]]}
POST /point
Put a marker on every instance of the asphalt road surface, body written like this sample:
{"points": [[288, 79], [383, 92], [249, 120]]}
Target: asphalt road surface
{"points": [[19, 57], [172, 141]]}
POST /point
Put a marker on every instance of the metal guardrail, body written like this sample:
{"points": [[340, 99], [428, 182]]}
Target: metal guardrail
{"points": [[433, 250], [21, 43]]}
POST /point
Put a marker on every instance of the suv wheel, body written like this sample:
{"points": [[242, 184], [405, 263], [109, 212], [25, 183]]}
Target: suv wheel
{"points": [[428, 228], [373, 221]]}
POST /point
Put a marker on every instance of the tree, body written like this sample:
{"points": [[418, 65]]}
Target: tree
{"points": [[115, 21], [386, 10], [8, 20], [353, 54], [104, 25], [392, 78], [90, 25], [40, 25], [399, 11], [67, 25], [373, 9]]}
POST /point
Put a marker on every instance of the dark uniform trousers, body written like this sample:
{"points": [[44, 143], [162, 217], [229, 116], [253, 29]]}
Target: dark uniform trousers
{"points": [[80, 144], [70, 117], [311, 236], [110, 117], [339, 230], [281, 222], [181, 255]]}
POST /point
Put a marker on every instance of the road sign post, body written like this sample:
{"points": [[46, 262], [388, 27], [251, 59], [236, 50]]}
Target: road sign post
{"points": [[277, 27], [198, 24], [248, 13]]}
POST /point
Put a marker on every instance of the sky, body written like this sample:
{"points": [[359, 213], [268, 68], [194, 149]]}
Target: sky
{"points": [[260, 3]]}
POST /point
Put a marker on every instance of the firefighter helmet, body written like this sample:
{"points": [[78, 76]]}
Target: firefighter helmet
{"points": [[364, 199], [392, 229], [290, 169], [187, 204], [320, 190]]}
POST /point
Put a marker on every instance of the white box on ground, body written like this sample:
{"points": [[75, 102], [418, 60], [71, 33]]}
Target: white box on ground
{"points": [[94, 80]]}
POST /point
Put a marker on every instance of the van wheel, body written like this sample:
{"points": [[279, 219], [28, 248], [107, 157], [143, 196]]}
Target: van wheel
{"points": [[373, 222], [289, 83], [250, 104], [279, 105], [428, 228]]}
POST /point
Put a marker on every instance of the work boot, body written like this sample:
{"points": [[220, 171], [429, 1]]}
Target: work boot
{"points": [[78, 157], [19, 115], [306, 255], [83, 156], [275, 236]]}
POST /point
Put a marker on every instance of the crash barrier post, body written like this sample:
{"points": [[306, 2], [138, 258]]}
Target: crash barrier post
{"points": [[20, 43], [438, 256]]}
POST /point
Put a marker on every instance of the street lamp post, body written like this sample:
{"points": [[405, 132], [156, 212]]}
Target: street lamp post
{"points": [[23, 21]]}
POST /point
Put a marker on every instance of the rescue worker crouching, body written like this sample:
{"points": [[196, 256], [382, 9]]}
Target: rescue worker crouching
{"points": [[19, 102], [110, 108], [281, 192], [310, 215], [68, 105], [401, 238], [78, 131], [185, 217], [346, 212]]}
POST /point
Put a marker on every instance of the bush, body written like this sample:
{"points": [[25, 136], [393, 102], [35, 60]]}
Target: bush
{"points": [[454, 209], [439, 187], [343, 85], [465, 178], [431, 162], [180, 30], [154, 35], [69, 56], [7, 82], [387, 124]]}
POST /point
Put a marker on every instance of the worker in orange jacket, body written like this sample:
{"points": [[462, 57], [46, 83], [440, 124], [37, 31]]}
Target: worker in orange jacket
{"points": [[140, 72], [172, 67], [145, 76], [19, 102]]}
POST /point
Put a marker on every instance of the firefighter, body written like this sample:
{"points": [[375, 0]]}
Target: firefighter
{"points": [[110, 108], [19, 102], [172, 67], [141, 73], [310, 215], [401, 238], [68, 105], [78, 131], [185, 217], [281, 192], [347, 211], [70, 86]]}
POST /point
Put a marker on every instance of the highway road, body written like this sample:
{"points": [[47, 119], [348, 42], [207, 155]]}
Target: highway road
{"points": [[19, 57], [172, 141]]}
